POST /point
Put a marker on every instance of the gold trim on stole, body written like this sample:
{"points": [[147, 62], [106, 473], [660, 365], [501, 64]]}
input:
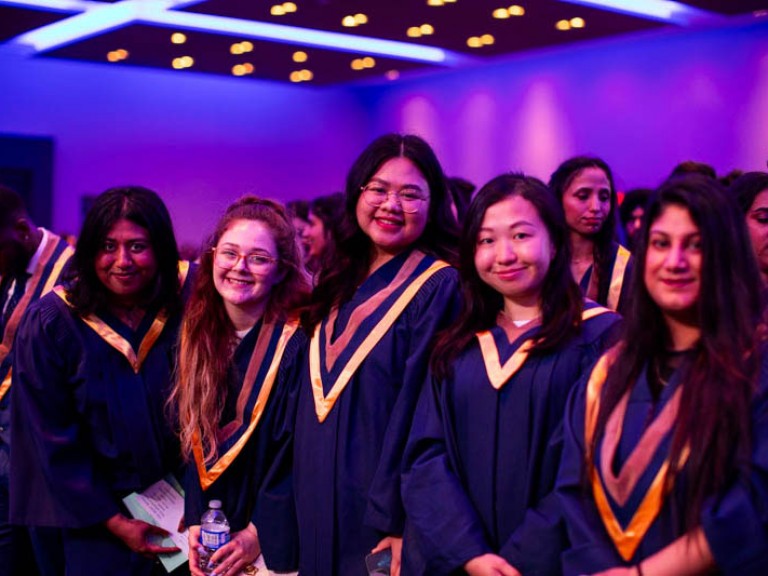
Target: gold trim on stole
{"points": [[21, 307], [499, 375], [324, 404], [209, 476], [626, 540], [114, 339], [617, 277]]}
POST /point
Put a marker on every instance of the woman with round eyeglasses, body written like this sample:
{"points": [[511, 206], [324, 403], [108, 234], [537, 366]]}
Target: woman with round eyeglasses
{"points": [[584, 185], [371, 319], [484, 448], [237, 352], [666, 441], [92, 373]]}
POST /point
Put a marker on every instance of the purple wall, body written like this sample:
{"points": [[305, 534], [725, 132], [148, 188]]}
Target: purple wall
{"points": [[200, 141], [643, 104]]}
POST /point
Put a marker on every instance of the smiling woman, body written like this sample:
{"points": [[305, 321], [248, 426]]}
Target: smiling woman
{"points": [[91, 378], [238, 351], [665, 441]]}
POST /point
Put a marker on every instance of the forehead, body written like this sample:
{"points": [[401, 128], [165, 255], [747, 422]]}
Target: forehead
{"points": [[125, 228], [760, 201], [510, 211], [674, 220], [589, 177], [248, 235], [400, 171]]}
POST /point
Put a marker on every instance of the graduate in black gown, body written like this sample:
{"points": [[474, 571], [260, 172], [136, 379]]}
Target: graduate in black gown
{"points": [[91, 375], [373, 315], [665, 462], [485, 444], [239, 343], [584, 185]]}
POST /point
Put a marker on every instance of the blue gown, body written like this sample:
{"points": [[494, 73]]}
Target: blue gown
{"points": [[614, 294], [256, 485], [14, 548], [88, 429], [735, 522], [481, 462], [347, 468]]}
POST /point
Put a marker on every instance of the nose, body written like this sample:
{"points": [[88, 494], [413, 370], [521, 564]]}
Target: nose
{"points": [[677, 258], [505, 252], [123, 257], [393, 201], [594, 203], [241, 264]]}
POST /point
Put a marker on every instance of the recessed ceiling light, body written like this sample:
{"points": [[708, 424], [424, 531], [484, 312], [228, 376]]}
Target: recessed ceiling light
{"points": [[295, 76], [501, 13], [277, 10], [356, 64], [516, 10], [178, 38], [369, 62], [300, 56], [306, 75], [289, 7], [117, 55], [474, 42], [392, 75], [563, 25], [238, 70], [247, 46], [361, 19], [435, 3], [487, 39], [349, 21], [577, 22], [413, 32], [427, 29]]}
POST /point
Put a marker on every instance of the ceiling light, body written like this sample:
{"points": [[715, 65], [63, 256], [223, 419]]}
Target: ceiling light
{"points": [[487, 39], [117, 55], [178, 38], [449, 1], [563, 25], [427, 29], [357, 64], [236, 48], [300, 56], [664, 10], [295, 76], [474, 42], [248, 67], [277, 10], [435, 3], [516, 10], [247, 46], [414, 32], [306, 75], [392, 75], [501, 13], [289, 7], [238, 70], [369, 62], [361, 19], [100, 17], [577, 22], [349, 21]]}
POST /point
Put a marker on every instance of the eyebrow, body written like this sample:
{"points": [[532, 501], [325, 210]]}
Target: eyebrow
{"points": [[388, 183], [510, 227], [251, 251]]}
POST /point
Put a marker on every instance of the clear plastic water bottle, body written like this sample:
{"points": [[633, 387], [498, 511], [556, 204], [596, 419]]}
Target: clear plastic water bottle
{"points": [[214, 533]]}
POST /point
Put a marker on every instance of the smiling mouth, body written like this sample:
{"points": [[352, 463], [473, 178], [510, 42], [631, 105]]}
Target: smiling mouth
{"points": [[239, 281], [389, 222]]}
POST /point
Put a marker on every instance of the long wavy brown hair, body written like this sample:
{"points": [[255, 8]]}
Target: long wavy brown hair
{"points": [[208, 338]]}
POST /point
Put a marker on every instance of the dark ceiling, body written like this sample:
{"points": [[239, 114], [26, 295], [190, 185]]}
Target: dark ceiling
{"points": [[141, 40]]}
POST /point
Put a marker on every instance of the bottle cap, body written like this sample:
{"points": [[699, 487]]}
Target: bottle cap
{"points": [[215, 504]]}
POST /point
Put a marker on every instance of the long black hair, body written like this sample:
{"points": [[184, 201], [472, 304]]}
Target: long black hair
{"points": [[603, 238], [561, 301], [144, 208], [714, 414], [339, 280]]}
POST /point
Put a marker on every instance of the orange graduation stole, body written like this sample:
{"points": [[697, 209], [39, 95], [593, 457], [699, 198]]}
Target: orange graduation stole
{"points": [[208, 475], [500, 375], [620, 486], [324, 404], [31, 290]]}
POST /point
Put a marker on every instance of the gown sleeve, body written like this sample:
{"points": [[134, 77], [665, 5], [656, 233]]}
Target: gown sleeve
{"points": [[54, 479], [447, 529], [735, 523], [275, 509], [436, 305]]}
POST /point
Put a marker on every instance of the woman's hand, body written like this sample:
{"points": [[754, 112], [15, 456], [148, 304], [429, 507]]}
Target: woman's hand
{"points": [[490, 565], [136, 535], [242, 549], [194, 555], [396, 543]]}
